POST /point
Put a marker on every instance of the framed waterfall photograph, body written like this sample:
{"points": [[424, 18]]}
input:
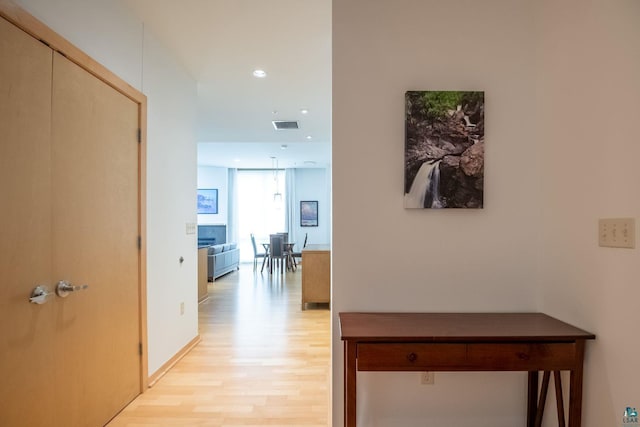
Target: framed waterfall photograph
{"points": [[444, 149], [309, 213], [208, 201]]}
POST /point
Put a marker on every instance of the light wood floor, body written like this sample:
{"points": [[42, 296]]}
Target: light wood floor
{"points": [[261, 362]]}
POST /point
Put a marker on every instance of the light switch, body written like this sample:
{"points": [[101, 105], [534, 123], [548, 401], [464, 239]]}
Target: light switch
{"points": [[617, 232], [191, 228]]}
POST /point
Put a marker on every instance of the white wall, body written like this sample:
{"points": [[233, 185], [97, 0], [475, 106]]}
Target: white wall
{"points": [[215, 177], [114, 37], [387, 258], [171, 203], [589, 85], [106, 31], [313, 184]]}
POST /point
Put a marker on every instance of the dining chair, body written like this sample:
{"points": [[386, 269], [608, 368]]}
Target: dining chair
{"points": [[276, 252], [285, 236], [287, 248], [257, 254]]}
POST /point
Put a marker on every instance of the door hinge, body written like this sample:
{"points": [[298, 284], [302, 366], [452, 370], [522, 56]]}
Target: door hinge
{"points": [[139, 242], [139, 135], [140, 348]]}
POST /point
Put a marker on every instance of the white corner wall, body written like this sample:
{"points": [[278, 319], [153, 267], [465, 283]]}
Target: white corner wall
{"points": [[109, 33], [387, 258], [589, 109], [171, 204]]}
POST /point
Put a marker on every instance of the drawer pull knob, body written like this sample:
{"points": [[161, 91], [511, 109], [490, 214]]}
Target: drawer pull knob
{"points": [[523, 356], [412, 357]]}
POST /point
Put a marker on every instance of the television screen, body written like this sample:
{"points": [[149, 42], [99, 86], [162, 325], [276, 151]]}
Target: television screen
{"points": [[212, 234]]}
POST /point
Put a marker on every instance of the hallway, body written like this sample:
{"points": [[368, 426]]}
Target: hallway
{"points": [[261, 362]]}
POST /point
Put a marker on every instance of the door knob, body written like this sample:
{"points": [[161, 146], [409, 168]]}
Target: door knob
{"points": [[39, 295], [64, 288]]}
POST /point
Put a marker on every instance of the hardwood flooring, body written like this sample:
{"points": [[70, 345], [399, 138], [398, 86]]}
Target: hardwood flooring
{"points": [[262, 361]]}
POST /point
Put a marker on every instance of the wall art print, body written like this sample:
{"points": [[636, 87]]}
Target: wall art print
{"points": [[309, 213], [207, 201], [444, 149]]}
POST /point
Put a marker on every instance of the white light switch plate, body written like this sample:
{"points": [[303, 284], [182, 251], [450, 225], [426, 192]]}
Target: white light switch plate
{"points": [[191, 228], [617, 232]]}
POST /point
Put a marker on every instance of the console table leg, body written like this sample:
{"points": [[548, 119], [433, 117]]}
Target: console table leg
{"points": [[575, 388], [543, 398], [559, 399], [350, 373], [532, 398]]}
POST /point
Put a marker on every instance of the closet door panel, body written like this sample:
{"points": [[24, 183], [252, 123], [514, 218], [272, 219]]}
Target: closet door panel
{"points": [[27, 370], [95, 243]]}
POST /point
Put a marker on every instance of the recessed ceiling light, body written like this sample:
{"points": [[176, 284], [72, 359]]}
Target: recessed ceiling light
{"points": [[309, 137], [259, 74], [304, 111], [283, 147], [236, 160], [309, 162]]}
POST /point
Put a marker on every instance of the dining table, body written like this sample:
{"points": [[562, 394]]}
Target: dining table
{"points": [[290, 260]]}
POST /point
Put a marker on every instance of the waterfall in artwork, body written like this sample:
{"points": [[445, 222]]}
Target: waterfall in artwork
{"points": [[432, 198], [424, 192]]}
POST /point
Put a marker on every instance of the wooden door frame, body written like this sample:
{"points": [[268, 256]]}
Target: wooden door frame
{"points": [[32, 26]]}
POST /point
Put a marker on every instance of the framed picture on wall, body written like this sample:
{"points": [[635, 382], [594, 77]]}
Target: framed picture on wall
{"points": [[444, 149], [208, 201], [309, 213]]}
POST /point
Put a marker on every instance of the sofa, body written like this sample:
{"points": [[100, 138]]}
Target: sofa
{"points": [[222, 259]]}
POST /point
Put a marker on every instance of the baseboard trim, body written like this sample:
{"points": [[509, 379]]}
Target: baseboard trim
{"points": [[153, 378]]}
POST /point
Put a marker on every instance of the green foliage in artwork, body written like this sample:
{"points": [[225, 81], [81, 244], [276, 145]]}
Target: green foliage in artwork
{"points": [[437, 104]]}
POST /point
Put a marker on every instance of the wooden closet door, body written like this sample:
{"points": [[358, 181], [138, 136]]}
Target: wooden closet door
{"points": [[95, 243], [69, 210], [27, 371]]}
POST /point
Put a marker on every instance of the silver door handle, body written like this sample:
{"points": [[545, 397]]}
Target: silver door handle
{"points": [[39, 295], [64, 288]]}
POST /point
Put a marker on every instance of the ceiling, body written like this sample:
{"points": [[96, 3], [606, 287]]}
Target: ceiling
{"points": [[221, 43]]}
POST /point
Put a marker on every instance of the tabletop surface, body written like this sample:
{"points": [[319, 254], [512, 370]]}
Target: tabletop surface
{"points": [[457, 327]]}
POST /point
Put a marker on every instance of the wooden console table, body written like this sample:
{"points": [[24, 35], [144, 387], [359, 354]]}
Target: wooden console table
{"points": [[530, 342]]}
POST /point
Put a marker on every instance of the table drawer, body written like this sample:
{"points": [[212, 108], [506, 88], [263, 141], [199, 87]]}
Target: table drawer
{"points": [[521, 357], [409, 357]]}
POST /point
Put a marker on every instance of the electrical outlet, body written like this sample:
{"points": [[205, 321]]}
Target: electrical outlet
{"points": [[427, 378], [181, 308], [617, 232]]}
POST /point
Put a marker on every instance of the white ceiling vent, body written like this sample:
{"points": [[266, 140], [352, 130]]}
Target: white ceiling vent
{"points": [[285, 124]]}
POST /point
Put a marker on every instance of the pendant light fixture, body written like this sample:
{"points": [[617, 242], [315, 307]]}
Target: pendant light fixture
{"points": [[277, 196]]}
